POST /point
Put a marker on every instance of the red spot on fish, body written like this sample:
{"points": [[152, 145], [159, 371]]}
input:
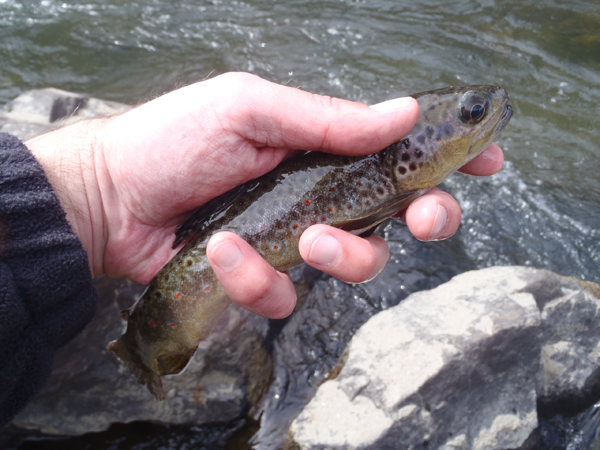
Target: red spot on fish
{"points": [[275, 247], [330, 208], [177, 295], [331, 189], [263, 230], [359, 183], [295, 227], [152, 323], [173, 325], [350, 207], [323, 219], [138, 334], [307, 202], [207, 288], [380, 191]]}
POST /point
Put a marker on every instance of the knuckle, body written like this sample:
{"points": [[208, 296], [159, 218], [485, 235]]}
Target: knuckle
{"points": [[325, 101], [367, 268], [259, 289]]}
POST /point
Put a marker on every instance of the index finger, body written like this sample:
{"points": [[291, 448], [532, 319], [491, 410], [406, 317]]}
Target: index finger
{"points": [[276, 116], [488, 162]]}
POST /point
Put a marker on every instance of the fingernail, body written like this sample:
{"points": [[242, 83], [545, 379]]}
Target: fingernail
{"points": [[325, 251], [392, 105], [227, 255], [441, 216]]}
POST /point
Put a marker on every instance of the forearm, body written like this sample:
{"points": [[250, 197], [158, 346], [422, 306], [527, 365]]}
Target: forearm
{"points": [[70, 157], [46, 290]]}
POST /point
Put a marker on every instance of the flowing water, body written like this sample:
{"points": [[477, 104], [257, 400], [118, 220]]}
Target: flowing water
{"points": [[542, 210]]}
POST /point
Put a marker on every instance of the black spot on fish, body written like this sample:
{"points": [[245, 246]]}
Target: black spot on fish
{"points": [[406, 142], [402, 170], [418, 153], [405, 157], [412, 167], [421, 138], [446, 130]]}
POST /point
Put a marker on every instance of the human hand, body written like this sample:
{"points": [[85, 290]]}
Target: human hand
{"points": [[127, 181]]}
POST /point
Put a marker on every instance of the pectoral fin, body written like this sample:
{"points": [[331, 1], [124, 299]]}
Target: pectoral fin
{"points": [[369, 221], [173, 363]]}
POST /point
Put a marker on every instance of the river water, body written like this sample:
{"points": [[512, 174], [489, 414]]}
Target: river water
{"points": [[542, 210]]}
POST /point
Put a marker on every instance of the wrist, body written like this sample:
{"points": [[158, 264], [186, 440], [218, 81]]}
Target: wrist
{"points": [[70, 157]]}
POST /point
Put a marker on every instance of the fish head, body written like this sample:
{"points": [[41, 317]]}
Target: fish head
{"points": [[455, 124]]}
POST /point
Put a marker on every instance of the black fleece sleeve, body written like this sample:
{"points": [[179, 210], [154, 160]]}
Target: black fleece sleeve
{"points": [[46, 290]]}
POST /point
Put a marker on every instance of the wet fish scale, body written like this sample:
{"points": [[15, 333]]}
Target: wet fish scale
{"points": [[185, 299]]}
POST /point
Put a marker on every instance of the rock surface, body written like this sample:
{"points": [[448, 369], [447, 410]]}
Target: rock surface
{"points": [[40, 110], [460, 366], [571, 345]]}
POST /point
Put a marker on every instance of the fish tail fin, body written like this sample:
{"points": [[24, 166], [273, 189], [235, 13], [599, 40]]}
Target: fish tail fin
{"points": [[147, 377]]}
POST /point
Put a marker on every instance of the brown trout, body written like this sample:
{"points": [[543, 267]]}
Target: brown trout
{"points": [[185, 299]]}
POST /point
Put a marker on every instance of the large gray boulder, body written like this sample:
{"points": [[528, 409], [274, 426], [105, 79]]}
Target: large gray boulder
{"points": [[460, 366]]}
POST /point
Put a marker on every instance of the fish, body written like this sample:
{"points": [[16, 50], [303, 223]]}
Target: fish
{"points": [[354, 193]]}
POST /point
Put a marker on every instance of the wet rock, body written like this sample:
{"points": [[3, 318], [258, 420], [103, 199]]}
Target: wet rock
{"points": [[571, 347], [39, 110], [460, 366], [309, 344], [89, 390]]}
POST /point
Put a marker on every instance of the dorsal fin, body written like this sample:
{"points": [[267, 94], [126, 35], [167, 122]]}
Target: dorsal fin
{"points": [[378, 213], [210, 211]]}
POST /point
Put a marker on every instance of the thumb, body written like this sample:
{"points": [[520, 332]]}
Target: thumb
{"points": [[272, 115]]}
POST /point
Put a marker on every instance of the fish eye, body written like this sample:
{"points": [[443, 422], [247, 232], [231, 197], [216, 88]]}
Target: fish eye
{"points": [[473, 108]]}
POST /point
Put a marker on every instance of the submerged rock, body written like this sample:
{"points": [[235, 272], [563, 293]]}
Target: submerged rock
{"points": [[459, 367]]}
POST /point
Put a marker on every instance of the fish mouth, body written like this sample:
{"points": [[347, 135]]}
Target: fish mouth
{"points": [[506, 116]]}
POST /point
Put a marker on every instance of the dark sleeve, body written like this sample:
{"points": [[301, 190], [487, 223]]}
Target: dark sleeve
{"points": [[46, 290]]}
